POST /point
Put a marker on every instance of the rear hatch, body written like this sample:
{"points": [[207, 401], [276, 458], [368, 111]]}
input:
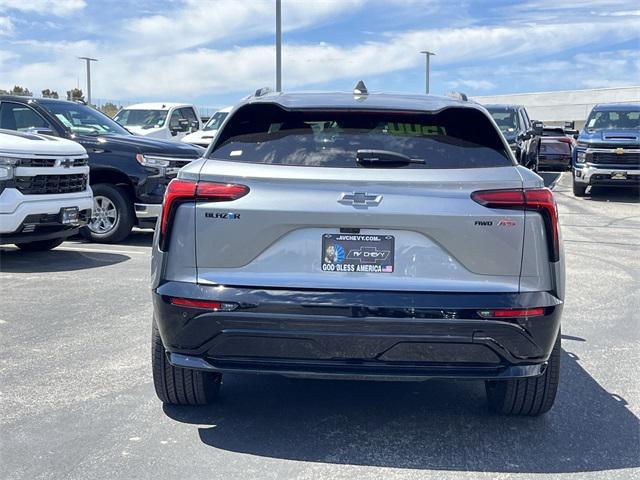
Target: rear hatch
{"points": [[398, 219]]}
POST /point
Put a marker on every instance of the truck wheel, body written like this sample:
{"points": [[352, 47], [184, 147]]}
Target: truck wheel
{"points": [[180, 386], [112, 218], [579, 189], [40, 245], [526, 396]]}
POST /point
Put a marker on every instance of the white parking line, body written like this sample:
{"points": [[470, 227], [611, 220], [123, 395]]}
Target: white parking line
{"points": [[102, 250]]}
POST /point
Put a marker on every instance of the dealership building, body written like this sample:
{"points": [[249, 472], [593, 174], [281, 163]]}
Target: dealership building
{"points": [[562, 106]]}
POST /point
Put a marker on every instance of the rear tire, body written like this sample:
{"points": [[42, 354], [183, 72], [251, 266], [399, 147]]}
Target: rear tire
{"points": [[112, 229], [40, 245], [526, 396], [579, 189], [180, 386]]}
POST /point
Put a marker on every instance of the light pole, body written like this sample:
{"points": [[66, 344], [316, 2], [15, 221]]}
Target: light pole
{"points": [[278, 45], [88, 60], [427, 55]]}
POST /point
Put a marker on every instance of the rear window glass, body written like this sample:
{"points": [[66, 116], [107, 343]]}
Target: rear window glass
{"points": [[268, 134]]}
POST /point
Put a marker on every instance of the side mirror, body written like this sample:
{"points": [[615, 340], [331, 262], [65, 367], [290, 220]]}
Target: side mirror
{"points": [[195, 126], [40, 130], [576, 135], [536, 128], [183, 125]]}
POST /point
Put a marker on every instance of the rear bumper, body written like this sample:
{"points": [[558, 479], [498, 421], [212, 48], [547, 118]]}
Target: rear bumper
{"points": [[554, 161], [356, 334]]}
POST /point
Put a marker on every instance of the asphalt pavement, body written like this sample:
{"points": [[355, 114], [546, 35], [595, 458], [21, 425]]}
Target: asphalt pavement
{"points": [[77, 401]]}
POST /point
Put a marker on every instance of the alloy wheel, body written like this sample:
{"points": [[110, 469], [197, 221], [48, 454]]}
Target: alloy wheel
{"points": [[104, 216]]}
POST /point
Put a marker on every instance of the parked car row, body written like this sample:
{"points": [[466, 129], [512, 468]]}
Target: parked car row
{"points": [[128, 173], [131, 167]]}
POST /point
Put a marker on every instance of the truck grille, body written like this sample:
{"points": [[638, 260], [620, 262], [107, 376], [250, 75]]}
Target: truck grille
{"points": [[45, 184], [613, 146], [606, 158], [50, 162], [179, 162]]}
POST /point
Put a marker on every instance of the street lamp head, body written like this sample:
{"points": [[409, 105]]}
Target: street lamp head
{"points": [[427, 52]]}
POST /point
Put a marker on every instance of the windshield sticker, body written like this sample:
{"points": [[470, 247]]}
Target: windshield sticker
{"points": [[235, 153], [592, 122], [414, 129]]}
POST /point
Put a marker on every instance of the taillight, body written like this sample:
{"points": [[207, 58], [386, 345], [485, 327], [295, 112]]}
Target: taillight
{"points": [[177, 191], [537, 199], [512, 313], [181, 191]]}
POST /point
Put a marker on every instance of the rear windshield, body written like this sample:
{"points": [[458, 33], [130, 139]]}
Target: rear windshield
{"points": [[452, 138]]}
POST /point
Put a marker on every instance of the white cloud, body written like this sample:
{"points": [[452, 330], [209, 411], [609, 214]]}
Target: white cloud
{"points": [[472, 84], [164, 62], [44, 7], [6, 26], [597, 70], [197, 22]]}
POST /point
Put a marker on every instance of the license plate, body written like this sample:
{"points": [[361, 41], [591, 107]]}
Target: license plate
{"points": [[619, 176], [69, 216], [346, 252]]}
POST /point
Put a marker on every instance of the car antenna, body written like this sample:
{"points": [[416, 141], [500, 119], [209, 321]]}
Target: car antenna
{"points": [[262, 92], [360, 89]]}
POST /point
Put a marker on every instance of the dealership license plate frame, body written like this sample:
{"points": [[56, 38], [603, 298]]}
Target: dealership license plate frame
{"points": [[70, 216], [358, 253]]}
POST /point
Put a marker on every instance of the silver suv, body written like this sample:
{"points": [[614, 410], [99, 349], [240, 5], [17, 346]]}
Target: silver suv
{"points": [[359, 236]]}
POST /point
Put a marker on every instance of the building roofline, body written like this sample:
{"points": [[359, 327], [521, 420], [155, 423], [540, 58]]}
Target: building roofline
{"points": [[625, 87]]}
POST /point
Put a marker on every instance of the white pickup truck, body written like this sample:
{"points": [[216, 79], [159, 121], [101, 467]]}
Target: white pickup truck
{"points": [[204, 137], [169, 121], [45, 195]]}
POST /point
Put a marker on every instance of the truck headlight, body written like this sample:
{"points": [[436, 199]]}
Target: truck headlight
{"points": [[581, 157], [151, 161], [6, 167]]}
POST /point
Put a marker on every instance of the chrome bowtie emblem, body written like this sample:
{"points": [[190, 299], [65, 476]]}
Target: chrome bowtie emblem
{"points": [[360, 199], [66, 163]]}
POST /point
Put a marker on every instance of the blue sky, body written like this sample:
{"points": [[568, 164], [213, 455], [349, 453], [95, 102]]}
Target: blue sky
{"points": [[213, 52]]}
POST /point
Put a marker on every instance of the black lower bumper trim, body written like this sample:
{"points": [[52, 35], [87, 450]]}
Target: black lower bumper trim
{"points": [[381, 333], [344, 370]]}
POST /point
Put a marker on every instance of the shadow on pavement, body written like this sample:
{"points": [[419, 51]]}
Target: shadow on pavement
{"points": [[18, 261], [441, 425], [137, 238], [614, 194], [550, 178]]}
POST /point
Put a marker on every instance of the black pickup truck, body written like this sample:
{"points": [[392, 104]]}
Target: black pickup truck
{"points": [[522, 133], [128, 173]]}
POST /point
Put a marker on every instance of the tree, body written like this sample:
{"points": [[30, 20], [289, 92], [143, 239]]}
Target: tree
{"points": [[18, 90], [109, 108], [75, 94], [46, 93]]}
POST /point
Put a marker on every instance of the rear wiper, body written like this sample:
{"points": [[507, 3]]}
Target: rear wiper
{"points": [[384, 158]]}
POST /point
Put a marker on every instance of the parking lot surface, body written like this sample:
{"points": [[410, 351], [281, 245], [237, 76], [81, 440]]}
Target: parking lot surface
{"points": [[77, 400]]}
